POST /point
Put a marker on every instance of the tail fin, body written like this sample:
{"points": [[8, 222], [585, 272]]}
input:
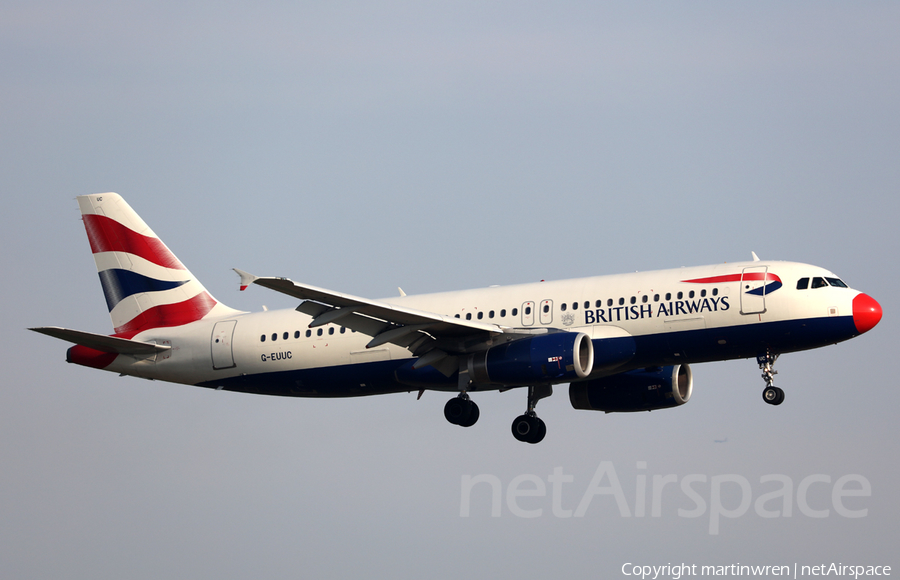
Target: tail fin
{"points": [[145, 285]]}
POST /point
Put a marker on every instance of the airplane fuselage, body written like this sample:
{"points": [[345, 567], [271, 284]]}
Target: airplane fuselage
{"points": [[642, 319]]}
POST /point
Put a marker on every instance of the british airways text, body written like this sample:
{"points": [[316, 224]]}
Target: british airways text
{"points": [[638, 311]]}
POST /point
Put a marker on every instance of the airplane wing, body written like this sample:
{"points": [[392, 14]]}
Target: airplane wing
{"points": [[420, 331], [102, 342]]}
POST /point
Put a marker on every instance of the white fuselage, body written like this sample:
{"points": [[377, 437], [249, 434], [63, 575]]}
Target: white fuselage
{"points": [[673, 316]]}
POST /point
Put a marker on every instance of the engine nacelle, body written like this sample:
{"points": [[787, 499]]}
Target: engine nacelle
{"points": [[637, 390], [545, 359]]}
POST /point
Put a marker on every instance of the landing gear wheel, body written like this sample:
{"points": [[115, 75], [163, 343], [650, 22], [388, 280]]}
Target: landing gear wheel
{"points": [[460, 411], [773, 395], [539, 432], [474, 413], [529, 429]]}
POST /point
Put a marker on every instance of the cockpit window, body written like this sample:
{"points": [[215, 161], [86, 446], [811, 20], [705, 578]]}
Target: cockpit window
{"points": [[836, 282], [802, 283], [819, 282]]}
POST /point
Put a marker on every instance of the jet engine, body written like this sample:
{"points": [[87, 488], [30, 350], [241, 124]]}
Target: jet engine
{"points": [[546, 359], [638, 390]]}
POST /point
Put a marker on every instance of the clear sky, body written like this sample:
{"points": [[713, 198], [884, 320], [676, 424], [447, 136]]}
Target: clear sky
{"points": [[366, 146]]}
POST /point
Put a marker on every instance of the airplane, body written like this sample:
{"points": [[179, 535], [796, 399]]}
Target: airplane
{"points": [[623, 343]]}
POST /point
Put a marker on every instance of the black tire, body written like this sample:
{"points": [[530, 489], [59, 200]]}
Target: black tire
{"points": [[780, 399], [457, 411], [473, 414], [539, 432], [529, 429], [523, 428], [770, 395]]}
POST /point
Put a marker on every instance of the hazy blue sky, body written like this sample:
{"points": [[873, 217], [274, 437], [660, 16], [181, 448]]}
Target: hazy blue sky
{"points": [[362, 147]]}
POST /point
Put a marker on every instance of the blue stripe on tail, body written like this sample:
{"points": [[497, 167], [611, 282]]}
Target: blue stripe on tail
{"points": [[120, 284]]}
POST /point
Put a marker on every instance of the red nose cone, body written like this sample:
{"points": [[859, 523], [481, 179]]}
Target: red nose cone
{"points": [[866, 312]]}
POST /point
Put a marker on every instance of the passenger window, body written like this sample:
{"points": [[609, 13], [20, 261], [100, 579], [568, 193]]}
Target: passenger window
{"points": [[836, 282], [644, 299], [468, 316], [319, 332], [262, 338], [633, 299], [491, 314], [308, 333], [546, 308], [703, 293], [680, 295], [503, 313], [563, 306], [343, 329], [598, 304], [285, 336], [802, 283], [331, 330], [691, 294], [656, 297], [668, 296], [819, 282], [515, 311], [715, 291], [574, 306], [527, 310], [296, 334], [480, 315], [609, 302], [274, 336], [587, 304], [621, 301], [457, 315]]}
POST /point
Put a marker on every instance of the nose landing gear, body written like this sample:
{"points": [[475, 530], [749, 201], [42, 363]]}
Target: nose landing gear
{"points": [[771, 394]]}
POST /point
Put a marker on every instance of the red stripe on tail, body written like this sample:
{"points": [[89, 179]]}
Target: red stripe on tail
{"points": [[89, 357], [169, 315], [108, 235]]}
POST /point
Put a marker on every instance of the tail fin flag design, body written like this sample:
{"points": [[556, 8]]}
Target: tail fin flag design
{"points": [[145, 285]]}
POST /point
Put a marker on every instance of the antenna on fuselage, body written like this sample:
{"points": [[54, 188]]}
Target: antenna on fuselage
{"points": [[755, 257]]}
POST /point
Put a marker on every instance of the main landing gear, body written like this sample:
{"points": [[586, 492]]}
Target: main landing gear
{"points": [[771, 394], [461, 411], [529, 428]]}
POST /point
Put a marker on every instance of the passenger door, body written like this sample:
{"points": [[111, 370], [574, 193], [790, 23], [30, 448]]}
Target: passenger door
{"points": [[753, 290]]}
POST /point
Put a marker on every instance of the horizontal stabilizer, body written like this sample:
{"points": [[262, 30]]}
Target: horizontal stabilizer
{"points": [[102, 342]]}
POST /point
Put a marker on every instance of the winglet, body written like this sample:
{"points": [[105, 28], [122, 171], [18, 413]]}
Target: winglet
{"points": [[246, 278]]}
